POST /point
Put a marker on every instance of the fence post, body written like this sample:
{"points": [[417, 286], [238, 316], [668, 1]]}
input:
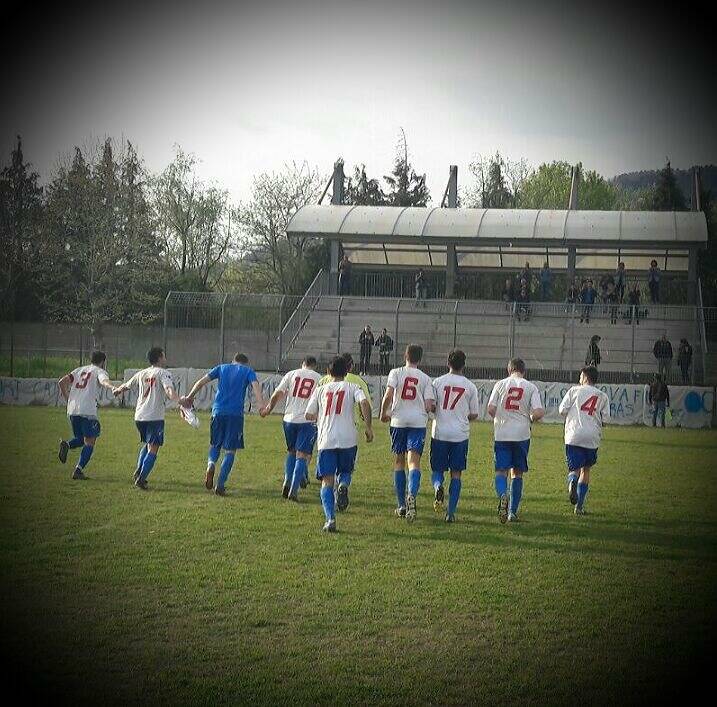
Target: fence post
{"points": [[281, 332], [221, 329], [12, 346], [44, 349], [633, 312], [338, 327], [511, 342], [164, 323], [395, 336], [455, 324], [572, 339], [81, 344]]}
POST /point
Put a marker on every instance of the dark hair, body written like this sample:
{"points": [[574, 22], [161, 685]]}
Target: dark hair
{"points": [[591, 373], [310, 361], [457, 360], [98, 357], [517, 364], [414, 353], [241, 358], [338, 367], [595, 338], [154, 354], [349, 360]]}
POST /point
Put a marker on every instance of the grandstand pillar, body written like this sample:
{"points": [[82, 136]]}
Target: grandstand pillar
{"points": [[334, 248], [692, 265], [451, 268], [572, 257]]}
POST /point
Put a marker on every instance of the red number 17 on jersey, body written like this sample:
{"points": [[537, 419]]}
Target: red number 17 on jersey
{"points": [[447, 394]]}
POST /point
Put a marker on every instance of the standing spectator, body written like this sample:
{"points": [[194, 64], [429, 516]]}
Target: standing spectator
{"points": [[366, 343], [592, 357], [573, 294], [684, 360], [587, 297], [611, 300], [663, 353], [633, 299], [345, 276], [509, 291], [653, 282], [620, 281], [421, 287], [385, 346], [523, 300], [546, 282], [526, 274], [659, 398]]}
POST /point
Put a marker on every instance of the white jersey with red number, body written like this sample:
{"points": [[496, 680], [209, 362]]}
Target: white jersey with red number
{"points": [[586, 409], [456, 398], [515, 398], [334, 405], [411, 388], [84, 389], [299, 386], [152, 384]]}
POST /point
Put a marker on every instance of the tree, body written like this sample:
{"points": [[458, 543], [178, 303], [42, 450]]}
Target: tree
{"points": [[280, 265], [362, 191], [405, 187], [20, 222], [667, 195], [497, 182]]}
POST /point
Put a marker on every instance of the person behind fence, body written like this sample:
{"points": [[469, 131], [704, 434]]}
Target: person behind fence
{"points": [[587, 298], [659, 399], [509, 291], [345, 276], [546, 282], [366, 344], [611, 300], [573, 294], [633, 300], [421, 287], [620, 281], [662, 351], [523, 300], [526, 274], [653, 282], [684, 360], [80, 388], [385, 347], [592, 358]]}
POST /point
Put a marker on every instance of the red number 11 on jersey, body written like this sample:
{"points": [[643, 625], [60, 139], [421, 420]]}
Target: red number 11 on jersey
{"points": [[339, 395]]}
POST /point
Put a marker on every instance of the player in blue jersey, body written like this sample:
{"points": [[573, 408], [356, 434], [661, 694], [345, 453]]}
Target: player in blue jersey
{"points": [[227, 427]]}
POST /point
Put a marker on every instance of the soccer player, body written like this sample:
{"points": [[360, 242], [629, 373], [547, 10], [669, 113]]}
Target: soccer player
{"points": [[585, 409], [332, 405], [297, 387], [154, 386], [409, 397], [227, 426], [513, 404], [456, 406], [351, 377], [80, 388]]}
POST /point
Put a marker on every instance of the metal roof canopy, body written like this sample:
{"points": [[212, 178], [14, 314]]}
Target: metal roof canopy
{"points": [[540, 227]]}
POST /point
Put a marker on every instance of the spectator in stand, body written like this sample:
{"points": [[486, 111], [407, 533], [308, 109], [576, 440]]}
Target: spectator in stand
{"points": [[684, 360], [633, 299], [653, 282], [509, 291], [345, 276], [523, 300], [611, 300], [592, 357], [659, 398], [663, 353], [385, 346], [421, 287], [546, 282], [573, 294], [526, 274], [587, 298], [620, 281], [366, 343]]}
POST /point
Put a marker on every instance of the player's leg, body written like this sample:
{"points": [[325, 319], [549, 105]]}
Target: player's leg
{"points": [[90, 428], [457, 461], [573, 472], [399, 483], [75, 442], [290, 434], [304, 446], [583, 486], [519, 467], [416, 438], [439, 466], [148, 463], [233, 440], [503, 461], [216, 434], [346, 458], [326, 465]]}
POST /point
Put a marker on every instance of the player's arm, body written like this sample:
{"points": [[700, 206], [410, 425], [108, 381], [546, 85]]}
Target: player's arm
{"points": [[386, 403], [258, 395], [565, 404], [429, 397], [473, 409], [188, 399], [365, 406], [64, 384], [537, 411], [168, 385], [312, 408], [493, 401], [276, 396], [127, 385]]}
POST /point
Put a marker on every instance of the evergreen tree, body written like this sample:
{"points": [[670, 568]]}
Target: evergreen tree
{"points": [[362, 191], [405, 187], [668, 196]]}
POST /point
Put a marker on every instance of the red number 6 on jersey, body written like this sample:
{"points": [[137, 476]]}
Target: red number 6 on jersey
{"points": [[409, 390], [512, 400]]}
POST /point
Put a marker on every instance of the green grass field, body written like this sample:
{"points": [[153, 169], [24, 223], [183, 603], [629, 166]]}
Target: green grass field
{"points": [[112, 595]]}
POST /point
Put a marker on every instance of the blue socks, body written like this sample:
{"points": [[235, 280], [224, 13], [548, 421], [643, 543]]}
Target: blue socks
{"points": [[572, 475], [516, 491], [344, 479], [301, 469], [142, 454], [582, 492], [501, 484], [75, 442], [399, 482], [85, 455], [454, 492], [414, 482], [227, 463], [213, 455], [289, 466], [436, 479], [327, 501], [147, 465]]}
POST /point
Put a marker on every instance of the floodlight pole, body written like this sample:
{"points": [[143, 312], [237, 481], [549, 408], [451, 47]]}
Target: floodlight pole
{"points": [[164, 322], [221, 329], [451, 261]]}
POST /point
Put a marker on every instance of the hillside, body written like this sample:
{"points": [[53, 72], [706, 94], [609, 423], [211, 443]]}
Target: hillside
{"points": [[648, 177]]}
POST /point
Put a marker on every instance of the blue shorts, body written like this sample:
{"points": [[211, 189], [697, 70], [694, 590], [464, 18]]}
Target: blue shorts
{"points": [[85, 426], [578, 457], [407, 439], [300, 436], [151, 431], [335, 461], [227, 431], [511, 455], [449, 456]]}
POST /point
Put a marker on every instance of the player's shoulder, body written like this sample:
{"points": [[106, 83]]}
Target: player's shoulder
{"points": [[442, 380]]}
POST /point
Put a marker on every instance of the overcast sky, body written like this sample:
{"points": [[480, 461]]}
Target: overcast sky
{"points": [[248, 87]]}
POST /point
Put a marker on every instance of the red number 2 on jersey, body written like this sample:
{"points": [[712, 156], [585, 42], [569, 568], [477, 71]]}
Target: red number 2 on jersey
{"points": [[515, 395], [339, 402], [447, 394], [590, 404], [409, 391], [302, 388]]}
